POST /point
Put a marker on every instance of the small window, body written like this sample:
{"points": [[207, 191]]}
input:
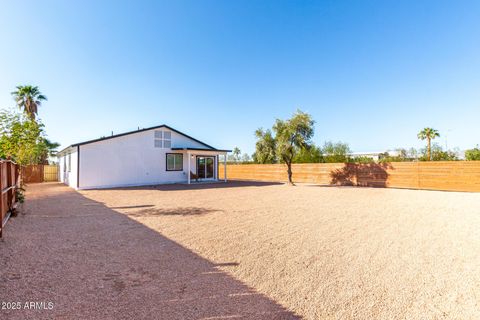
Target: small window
{"points": [[174, 162], [163, 139], [69, 162]]}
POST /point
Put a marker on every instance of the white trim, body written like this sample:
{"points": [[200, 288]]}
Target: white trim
{"points": [[188, 161], [205, 157], [225, 167], [114, 186]]}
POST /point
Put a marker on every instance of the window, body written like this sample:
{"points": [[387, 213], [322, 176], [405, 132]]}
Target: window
{"points": [[167, 139], [69, 162], [174, 162], [163, 139]]}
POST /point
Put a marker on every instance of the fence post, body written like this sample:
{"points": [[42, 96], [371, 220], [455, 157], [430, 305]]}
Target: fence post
{"points": [[15, 181], [9, 183], [9, 176]]}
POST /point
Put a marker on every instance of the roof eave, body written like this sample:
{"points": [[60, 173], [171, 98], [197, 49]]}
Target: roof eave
{"points": [[141, 130], [61, 152], [200, 149]]}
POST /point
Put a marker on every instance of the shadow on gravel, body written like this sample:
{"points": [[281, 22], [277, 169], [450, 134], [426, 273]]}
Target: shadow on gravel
{"points": [[202, 186], [95, 263], [135, 207], [188, 211]]}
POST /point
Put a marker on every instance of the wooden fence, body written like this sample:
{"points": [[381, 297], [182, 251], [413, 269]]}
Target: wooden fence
{"points": [[435, 175], [8, 184], [39, 173], [50, 173]]}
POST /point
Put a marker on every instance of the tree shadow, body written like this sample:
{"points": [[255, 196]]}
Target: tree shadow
{"points": [[95, 263], [134, 207], [361, 174], [200, 186], [227, 264], [185, 211]]}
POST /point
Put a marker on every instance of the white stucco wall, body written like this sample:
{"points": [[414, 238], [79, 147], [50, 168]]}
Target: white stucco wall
{"points": [[68, 175], [131, 160]]}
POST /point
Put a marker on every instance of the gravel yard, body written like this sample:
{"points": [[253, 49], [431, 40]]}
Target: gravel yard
{"points": [[243, 250]]}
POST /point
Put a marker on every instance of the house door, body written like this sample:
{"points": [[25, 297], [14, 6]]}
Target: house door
{"points": [[205, 167]]}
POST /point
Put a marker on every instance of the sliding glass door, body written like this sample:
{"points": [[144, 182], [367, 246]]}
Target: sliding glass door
{"points": [[205, 167]]}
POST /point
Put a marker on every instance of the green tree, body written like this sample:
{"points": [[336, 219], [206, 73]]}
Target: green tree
{"points": [[473, 154], [437, 154], [312, 154], [399, 156], [50, 150], [236, 154], [28, 99], [291, 135], [428, 134], [246, 157], [335, 152], [265, 147], [22, 139], [412, 154], [360, 159]]}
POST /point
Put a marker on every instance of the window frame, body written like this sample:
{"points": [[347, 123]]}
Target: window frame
{"points": [[166, 161], [161, 139]]}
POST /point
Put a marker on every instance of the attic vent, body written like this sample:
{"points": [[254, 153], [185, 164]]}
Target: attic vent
{"points": [[163, 139]]}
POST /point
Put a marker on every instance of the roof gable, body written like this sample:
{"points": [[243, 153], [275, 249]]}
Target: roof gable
{"points": [[138, 131]]}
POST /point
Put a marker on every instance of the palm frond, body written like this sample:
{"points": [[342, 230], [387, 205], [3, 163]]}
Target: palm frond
{"points": [[29, 98]]}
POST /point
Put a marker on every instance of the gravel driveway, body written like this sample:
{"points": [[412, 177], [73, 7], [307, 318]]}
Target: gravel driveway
{"points": [[244, 250]]}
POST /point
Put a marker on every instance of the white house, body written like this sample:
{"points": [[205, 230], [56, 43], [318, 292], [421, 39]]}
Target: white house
{"points": [[150, 156], [374, 155]]}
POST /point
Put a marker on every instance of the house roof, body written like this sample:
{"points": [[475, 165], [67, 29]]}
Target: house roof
{"points": [[200, 149], [208, 147]]}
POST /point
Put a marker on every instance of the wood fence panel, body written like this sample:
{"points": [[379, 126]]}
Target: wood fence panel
{"points": [[32, 173], [403, 175], [454, 176], [8, 185], [50, 173], [435, 175], [39, 173], [4, 194]]}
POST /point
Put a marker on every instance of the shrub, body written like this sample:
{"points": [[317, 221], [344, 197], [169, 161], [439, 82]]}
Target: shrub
{"points": [[473, 154]]}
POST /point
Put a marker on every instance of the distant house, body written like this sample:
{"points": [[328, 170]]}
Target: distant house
{"points": [[155, 155], [374, 155]]}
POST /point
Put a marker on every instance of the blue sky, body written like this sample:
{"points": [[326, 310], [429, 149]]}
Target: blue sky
{"points": [[371, 73]]}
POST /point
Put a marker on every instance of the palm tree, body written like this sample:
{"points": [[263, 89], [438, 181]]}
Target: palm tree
{"points": [[50, 150], [429, 134], [29, 98]]}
